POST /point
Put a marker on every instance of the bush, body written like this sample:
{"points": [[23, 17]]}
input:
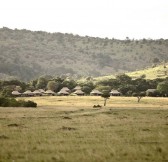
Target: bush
{"points": [[30, 104], [12, 102], [4, 102]]}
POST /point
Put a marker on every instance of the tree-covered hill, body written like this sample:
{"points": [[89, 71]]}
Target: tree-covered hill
{"points": [[25, 54]]}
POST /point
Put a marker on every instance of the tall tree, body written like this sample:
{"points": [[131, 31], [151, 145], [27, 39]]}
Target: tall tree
{"points": [[41, 83], [51, 85]]}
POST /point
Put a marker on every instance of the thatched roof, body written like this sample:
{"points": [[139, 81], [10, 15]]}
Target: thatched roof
{"points": [[63, 92], [65, 89], [28, 92], [79, 92], [37, 92], [49, 92], [114, 92], [16, 93], [41, 90], [77, 88], [151, 90], [95, 91]]}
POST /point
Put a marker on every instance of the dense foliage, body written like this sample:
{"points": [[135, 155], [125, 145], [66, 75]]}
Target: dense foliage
{"points": [[26, 55], [163, 87], [123, 83]]}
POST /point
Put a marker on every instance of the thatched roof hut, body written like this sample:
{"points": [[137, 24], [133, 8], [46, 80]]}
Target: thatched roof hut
{"points": [[151, 90], [16, 93], [96, 92], [41, 90], [79, 92], [37, 92], [77, 88], [50, 92], [65, 89], [115, 93], [63, 92], [28, 93]]}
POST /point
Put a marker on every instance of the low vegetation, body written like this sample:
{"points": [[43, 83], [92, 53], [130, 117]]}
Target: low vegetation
{"points": [[69, 129], [12, 102]]}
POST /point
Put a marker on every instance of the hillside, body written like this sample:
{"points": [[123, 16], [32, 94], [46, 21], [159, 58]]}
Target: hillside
{"points": [[25, 54], [158, 71]]}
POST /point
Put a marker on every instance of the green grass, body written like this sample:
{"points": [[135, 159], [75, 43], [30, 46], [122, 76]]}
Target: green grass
{"points": [[150, 73], [104, 78], [69, 129]]}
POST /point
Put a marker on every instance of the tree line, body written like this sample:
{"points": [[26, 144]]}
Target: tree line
{"points": [[123, 83]]}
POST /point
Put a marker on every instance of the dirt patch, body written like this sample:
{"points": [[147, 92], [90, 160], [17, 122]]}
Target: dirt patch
{"points": [[2, 118], [3, 137], [13, 125], [16, 125], [67, 128], [67, 117], [146, 129], [150, 142], [88, 115]]}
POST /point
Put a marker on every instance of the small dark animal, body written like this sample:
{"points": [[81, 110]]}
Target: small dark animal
{"points": [[97, 106]]}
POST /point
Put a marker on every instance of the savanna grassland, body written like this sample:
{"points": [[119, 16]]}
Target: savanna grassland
{"points": [[69, 129]]}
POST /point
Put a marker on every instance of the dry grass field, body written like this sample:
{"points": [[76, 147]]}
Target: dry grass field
{"points": [[69, 129]]}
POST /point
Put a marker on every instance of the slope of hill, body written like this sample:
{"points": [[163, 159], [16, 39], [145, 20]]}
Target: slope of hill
{"points": [[25, 54], [160, 71]]}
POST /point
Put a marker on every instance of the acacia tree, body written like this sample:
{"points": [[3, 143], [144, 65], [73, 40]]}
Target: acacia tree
{"points": [[139, 95], [105, 96]]}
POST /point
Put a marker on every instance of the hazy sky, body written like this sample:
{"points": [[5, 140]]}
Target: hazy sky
{"points": [[99, 18]]}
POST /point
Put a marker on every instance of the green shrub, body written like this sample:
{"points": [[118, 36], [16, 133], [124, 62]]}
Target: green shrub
{"points": [[12, 102], [4, 102], [30, 104]]}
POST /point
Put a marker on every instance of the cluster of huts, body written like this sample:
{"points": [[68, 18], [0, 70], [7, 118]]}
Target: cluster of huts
{"points": [[65, 91]]}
